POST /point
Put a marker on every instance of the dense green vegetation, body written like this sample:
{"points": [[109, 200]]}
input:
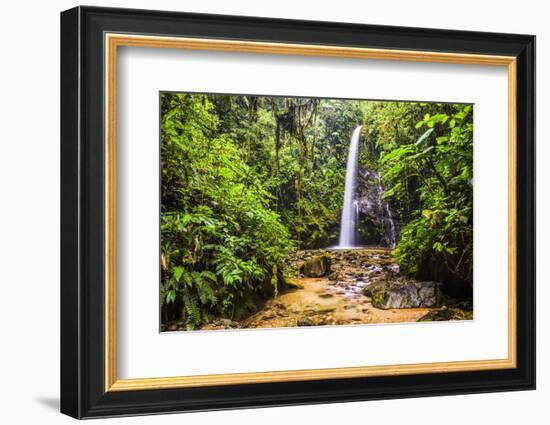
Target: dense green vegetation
{"points": [[430, 181], [247, 180]]}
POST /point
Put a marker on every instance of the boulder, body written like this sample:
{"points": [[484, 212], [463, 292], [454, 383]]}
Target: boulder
{"points": [[317, 266], [226, 322], [304, 322], [293, 283], [404, 293], [325, 310], [334, 276]]}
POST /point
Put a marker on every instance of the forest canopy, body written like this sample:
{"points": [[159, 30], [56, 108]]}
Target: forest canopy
{"points": [[248, 180]]}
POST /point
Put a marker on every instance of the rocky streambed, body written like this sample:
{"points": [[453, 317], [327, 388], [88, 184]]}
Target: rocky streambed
{"points": [[348, 287]]}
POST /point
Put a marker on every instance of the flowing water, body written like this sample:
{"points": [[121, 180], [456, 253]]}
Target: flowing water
{"points": [[371, 202], [392, 235], [326, 301], [350, 210]]}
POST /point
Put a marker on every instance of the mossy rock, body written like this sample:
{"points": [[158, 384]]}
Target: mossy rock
{"points": [[317, 266], [304, 322], [377, 299], [293, 283], [404, 294]]}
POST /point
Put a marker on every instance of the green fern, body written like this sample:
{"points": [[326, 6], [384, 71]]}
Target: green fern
{"points": [[193, 312]]}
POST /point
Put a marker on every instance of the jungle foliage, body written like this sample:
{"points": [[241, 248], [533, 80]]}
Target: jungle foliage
{"points": [[430, 180], [247, 180]]}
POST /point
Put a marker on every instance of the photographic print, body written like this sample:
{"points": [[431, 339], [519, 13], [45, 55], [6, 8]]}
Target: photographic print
{"points": [[281, 212], [318, 195]]}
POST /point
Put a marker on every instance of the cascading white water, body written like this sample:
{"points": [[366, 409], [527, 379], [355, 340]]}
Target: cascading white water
{"points": [[350, 214], [371, 202]]}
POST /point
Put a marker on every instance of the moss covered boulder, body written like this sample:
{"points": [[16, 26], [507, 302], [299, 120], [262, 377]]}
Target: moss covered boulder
{"points": [[317, 266], [293, 283], [404, 293]]}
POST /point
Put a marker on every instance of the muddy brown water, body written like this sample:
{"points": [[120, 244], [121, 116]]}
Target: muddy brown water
{"points": [[336, 299], [322, 302]]}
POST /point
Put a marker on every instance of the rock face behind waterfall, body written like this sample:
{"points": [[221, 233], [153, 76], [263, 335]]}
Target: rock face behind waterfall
{"points": [[377, 225]]}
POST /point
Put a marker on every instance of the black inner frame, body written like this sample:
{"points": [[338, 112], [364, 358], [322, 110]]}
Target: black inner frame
{"points": [[82, 212]]}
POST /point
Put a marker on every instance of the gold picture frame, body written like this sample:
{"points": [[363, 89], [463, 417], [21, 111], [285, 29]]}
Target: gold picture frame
{"points": [[114, 41], [91, 40]]}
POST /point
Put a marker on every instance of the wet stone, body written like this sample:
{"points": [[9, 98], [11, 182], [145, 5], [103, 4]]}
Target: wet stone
{"points": [[326, 310], [304, 322]]}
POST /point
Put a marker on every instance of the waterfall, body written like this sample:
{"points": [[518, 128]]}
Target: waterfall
{"points": [[348, 223], [368, 200]]}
